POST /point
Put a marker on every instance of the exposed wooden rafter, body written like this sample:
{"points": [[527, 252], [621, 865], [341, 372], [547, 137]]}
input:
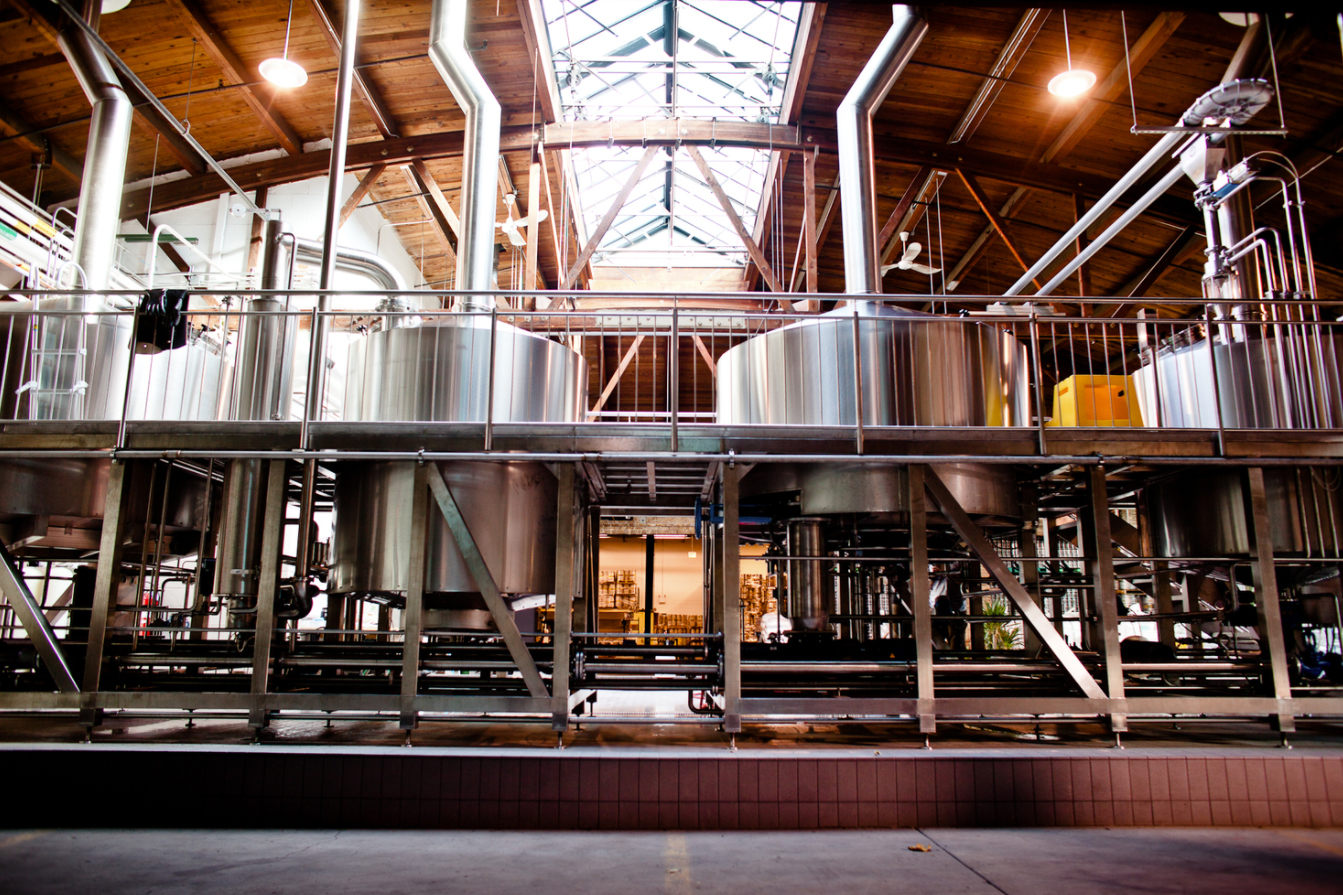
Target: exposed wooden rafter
{"points": [[361, 191], [611, 213], [367, 92], [735, 220], [260, 98]]}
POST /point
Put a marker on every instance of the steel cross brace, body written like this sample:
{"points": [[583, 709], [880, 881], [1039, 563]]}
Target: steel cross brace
{"points": [[480, 572], [1033, 615], [35, 624]]}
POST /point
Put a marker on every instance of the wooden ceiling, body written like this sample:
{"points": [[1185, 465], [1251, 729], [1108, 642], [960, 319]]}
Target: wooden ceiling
{"points": [[200, 57]]}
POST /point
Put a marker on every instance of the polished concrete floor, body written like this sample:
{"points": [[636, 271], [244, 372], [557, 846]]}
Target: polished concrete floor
{"points": [[1011, 862]]}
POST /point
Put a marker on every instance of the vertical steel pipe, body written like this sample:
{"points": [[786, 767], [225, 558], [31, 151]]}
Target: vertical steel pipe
{"points": [[808, 594], [853, 120], [99, 211], [480, 150]]}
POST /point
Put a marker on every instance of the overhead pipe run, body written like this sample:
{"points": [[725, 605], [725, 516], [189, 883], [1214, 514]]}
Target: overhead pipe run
{"points": [[354, 261], [480, 150], [853, 120], [99, 213], [1235, 103]]}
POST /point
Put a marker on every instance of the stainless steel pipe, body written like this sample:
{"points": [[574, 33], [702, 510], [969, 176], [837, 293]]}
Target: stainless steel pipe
{"points": [[853, 121], [808, 596], [99, 212], [480, 150]]}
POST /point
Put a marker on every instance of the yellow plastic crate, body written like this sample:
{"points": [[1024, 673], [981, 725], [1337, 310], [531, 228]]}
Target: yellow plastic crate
{"points": [[1105, 401]]}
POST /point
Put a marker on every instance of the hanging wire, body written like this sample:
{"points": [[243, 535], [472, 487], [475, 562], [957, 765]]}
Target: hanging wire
{"points": [[1128, 66], [1067, 46], [289, 23], [191, 74]]}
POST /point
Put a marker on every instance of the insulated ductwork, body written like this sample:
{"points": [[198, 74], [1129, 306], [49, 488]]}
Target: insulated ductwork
{"points": [[99, 214], [480, 150], [355, 261], [857, 176]]}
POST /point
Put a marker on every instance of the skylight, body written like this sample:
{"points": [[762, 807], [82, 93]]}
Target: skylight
{"points": [[617, 60]]}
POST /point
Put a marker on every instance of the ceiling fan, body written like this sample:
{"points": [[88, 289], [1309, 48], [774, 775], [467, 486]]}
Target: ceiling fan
{"points": [[512, 228], [908, 254]]}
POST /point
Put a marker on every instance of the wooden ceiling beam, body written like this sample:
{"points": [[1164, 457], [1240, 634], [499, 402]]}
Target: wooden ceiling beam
{"points": [[146, 117], [804, 52], [977, 193], [611, 213], [368, 93], [735, 220], [440, 229], [27, 136], [1189, 241], [361, 191], [400, 151], [1116, 82], [261, 99], [445, 220]]}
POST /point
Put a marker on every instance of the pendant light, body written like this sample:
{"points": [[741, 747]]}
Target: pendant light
{"points": [[1074, 81], [281, 70]]}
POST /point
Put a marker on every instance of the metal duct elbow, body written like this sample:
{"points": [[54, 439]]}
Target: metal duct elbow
{"points": [[857, 176], [480, 150], [99, 211], [355, 261]]}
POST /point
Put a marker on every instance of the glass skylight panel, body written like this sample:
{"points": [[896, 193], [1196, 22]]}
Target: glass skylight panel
{"points": [[725, 60]]}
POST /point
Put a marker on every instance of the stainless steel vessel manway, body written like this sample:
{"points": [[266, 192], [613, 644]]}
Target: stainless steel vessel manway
{"points": [[912, 370], [440, 372]]}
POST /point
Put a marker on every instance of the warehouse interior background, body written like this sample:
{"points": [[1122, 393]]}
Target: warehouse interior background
{"points": [[672, 415]]}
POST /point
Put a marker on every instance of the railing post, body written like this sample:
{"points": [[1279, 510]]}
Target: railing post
{"points": [[489, 399], [673, 376], [857, 383], [1034, 324], [130, 379], [1216, 386]]}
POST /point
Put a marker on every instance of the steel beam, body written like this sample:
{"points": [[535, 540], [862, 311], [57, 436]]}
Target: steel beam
{"points": [[480, 573], [412, 616], [105, 585], [1034, 617], [919, 589], [731, 602], [1259, 527], [564, 599], [272, 540], [1098, 544], [35, 623]]}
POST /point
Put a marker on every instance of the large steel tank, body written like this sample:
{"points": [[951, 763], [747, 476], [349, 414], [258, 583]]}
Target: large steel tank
{"points": [[1260, 378], [438, 372], [916, 370], [66, 363]]}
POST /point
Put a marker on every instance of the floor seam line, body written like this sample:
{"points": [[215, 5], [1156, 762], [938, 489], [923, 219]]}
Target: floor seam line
{"points": [[957, 859]]}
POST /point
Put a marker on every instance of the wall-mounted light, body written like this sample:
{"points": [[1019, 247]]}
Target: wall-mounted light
{"points": [[1074, 81], [281, 70]]}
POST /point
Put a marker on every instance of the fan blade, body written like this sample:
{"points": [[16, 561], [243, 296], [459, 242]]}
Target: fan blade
{"points": [[911, 252], [887, 268], [924, 268]]}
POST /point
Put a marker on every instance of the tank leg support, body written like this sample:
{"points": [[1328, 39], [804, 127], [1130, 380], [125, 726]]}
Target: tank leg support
{"points": [[564, 599], [731, 602], [919, 587], [104, 589], [1098, 543], [272, 540], [413, 615], [1258, 526]]}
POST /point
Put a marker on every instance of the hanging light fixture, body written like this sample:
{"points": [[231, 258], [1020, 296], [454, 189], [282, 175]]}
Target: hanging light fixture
{"points": [[281, 70], [1074, 81]]}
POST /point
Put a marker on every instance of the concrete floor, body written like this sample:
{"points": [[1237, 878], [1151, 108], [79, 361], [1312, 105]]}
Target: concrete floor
{"points": [[1011, 862]]}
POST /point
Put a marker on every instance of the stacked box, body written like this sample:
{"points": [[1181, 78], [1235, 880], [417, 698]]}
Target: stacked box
{"points": [[757, 599], [616, 590]]}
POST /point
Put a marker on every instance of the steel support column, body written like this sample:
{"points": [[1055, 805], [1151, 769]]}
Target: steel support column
{"points": [[105, 587], [272, 540], [919, 588], [1259, 528], [480, 573], [412, 616], [731, 602], [564, 599], [1098, 542], [35, 623]]}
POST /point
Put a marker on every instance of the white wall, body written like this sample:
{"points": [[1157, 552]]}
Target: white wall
{"points": [[302, 207]]}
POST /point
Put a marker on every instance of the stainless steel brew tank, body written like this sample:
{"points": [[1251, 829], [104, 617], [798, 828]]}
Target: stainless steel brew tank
{"points": [[438, 373], [72, 366], [916, 370], [1279, 378]]}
